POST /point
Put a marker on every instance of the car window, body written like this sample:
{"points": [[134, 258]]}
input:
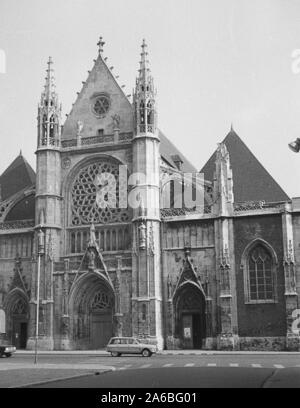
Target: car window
{"points": [[123, 341], [130, 341], [136, 341]]}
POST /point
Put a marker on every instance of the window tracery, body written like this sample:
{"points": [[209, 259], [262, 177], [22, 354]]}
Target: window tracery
{"points": [[101, 301], [87, 203], [260, 274], [259, 264], [19, 307]]}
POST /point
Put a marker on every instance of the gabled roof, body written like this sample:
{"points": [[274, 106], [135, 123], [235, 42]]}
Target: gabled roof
{"points": [[169, 152], [251, 181], [18, 175], [100, 82]]}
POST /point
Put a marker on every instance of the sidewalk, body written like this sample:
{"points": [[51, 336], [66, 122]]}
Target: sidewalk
{"points": [[16, 376]]}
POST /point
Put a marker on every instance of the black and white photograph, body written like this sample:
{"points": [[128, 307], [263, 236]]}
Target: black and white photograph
{"points": [[149, 198]]}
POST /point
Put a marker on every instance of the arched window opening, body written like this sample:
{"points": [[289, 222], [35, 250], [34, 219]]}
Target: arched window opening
{"points": [[260, 274], [142, 113], [259, 262], [44, 131], [150, 113], [52, 128]]}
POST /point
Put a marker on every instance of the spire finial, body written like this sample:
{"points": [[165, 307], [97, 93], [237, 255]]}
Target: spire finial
{"points": [[144, 62], [100, 44], [231, 127], [144, 95], [49, 85], [20, 152]]}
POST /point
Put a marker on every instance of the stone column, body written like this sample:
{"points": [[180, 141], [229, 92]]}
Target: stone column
{"points": [[118, 316], [65, 318], [224, 239], [291, 296]]}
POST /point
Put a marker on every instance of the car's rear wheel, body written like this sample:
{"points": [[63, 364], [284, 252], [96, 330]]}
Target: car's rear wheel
{"points": [[7, 354], [115, 354], [146, 353]]}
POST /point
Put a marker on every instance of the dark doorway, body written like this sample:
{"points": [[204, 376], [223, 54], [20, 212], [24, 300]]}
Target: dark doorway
{"points": [[101, 330], [23, 335], [19, 334], [190, 317], [18, 315]]}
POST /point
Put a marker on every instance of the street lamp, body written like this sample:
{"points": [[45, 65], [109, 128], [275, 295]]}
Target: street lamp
{"points": [[40, 251], [295, 146]]}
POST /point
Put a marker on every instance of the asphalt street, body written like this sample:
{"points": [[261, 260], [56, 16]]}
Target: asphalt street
{"points": [[182, 377], [212, 370]]}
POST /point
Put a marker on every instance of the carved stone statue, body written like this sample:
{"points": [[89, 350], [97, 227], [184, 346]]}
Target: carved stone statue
{"points": [[116, 121], [65, 325], [91, 258], [92, 240], [142, 233], [79, 127]]}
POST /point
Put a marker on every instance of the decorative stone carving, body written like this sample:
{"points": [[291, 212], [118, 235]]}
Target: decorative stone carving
{"points": [[142, 235], [151, 240], [84, 203], [18, 280], [91, 258], [79, 127], [116, 122], [289, 267], [66, 163], [65, 325], [101, 301]]}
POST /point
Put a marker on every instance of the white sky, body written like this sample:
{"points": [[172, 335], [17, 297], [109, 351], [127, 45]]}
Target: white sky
{"points": [[214, 62]]}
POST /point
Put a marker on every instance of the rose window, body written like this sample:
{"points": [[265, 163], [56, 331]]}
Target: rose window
{"points": [[101, 105], [96, 194]]}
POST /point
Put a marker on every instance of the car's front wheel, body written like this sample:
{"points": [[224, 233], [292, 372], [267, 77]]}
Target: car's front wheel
{"points": [[115, 354], [7, 354], [146, 353]]}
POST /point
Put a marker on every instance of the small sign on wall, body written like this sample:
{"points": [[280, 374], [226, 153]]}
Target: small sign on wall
{"points": [[2, 321], [187, 332]]}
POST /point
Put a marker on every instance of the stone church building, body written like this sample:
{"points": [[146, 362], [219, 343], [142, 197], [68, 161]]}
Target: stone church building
{"points": [[224, 274]]}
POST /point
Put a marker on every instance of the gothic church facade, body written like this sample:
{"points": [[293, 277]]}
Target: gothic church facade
{"points": [[224, 275]]}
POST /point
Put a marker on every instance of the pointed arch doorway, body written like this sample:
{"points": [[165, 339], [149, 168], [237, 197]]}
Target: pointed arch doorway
{"points": [[17, 313], [92, 310], [190, 319]]}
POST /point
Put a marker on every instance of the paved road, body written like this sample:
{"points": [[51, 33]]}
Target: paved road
{"points": [[224, 370], [186, 377], [156, 361]]}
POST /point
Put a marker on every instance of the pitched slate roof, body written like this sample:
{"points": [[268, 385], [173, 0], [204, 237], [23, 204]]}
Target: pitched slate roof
{"points": [[251, 181], [169, 152], [18, 175]]}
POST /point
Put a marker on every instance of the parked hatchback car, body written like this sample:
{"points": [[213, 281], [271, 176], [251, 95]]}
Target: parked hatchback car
{"points": [[6, 349], [129, 345]]}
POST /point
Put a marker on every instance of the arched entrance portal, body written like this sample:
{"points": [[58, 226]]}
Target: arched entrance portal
{"points": [[92, 308], [190, 325], [17, 313]]}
